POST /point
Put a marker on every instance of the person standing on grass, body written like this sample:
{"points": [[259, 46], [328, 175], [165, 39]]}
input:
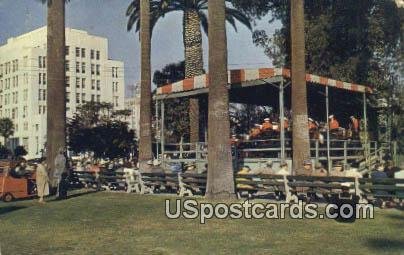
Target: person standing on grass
{"points": [[42, 181], [60, 168]]}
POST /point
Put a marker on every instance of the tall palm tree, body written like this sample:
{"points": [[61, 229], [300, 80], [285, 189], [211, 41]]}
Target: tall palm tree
{"points": [[145, 135], [301, 143], [220, 182], [194, 15], [56, 89]]}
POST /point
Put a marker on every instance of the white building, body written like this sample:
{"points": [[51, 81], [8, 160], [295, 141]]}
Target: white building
{"points": [[133, 104], [90, 76]]}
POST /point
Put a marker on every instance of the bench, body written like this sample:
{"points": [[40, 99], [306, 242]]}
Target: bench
{"points": [[254, 183], [160, 182], [80, 179], [191, 184]]}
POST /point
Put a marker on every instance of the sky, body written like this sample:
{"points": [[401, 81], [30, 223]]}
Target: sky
{"points": [[107, 18]]}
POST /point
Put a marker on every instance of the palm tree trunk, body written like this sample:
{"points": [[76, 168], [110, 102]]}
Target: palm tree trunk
{"points": [[145, 139], [220, 183], [56, 95], [192, 37], [301, 143]]}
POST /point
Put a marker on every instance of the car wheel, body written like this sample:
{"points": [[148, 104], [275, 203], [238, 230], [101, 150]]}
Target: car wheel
{"points": [[8, 197]]}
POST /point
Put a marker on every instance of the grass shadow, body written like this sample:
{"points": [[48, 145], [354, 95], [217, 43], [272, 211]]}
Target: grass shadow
{"points": [[74, 195], [396, 216], [82, 194], [383, 244], [9, 209]]}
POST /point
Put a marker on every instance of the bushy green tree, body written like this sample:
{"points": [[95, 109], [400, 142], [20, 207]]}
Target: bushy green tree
{"points": [[97, 128]]}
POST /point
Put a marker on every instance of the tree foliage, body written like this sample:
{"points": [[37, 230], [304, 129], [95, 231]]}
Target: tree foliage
{"points": [[6, 127], [20, 151], [356, 41], [97, 128], [4, 152], [159, 8], [347, 40]]}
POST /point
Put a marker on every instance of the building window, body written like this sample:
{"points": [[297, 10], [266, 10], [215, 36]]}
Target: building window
{"points": [[67, 81], [92, 69], [43, 62], [83, 97], [92, 98], [98, 69], [92, 84], [77, 52], [78, 83], [77, 98], [67, 49], [115, 72], [67, 64], [43, 80], [83, 67], [98, 85], [83, 83], [98, 55], [67, 97], [1, 71], [40, 61], [83, 53], [98, 98], [92, 54], [77, 67], [40, 78]]}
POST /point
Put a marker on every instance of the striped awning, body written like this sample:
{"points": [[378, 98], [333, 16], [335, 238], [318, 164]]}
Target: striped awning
{"points": [[244, 75]]}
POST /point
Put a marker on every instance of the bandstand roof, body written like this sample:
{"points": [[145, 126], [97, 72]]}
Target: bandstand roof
{"points": [[243, 78]]}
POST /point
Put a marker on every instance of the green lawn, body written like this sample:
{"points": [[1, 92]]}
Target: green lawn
{"points": [[111, 223]]}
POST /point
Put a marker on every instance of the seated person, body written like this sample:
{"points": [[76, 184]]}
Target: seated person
{"points": [[264, 170], [276, 127], [190, 169], [354, 125], [378, 172], [20, 169], [338, 170], [378, 175], [319, 170], [255, 131], [79, 167], [313, 126], [307, 168], [334, 124], [234, 140], [285, 123], [267, 125]]}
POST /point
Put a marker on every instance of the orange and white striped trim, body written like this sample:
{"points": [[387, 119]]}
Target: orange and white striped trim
{"points": [[243, 75]]}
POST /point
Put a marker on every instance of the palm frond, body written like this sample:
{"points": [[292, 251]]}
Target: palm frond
{"points": [[239, 16]]}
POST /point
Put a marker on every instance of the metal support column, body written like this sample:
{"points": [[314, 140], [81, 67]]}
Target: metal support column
{"points": [[328, 130], [162, 131], [281, 119], [157, 128], [365, 127]]}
